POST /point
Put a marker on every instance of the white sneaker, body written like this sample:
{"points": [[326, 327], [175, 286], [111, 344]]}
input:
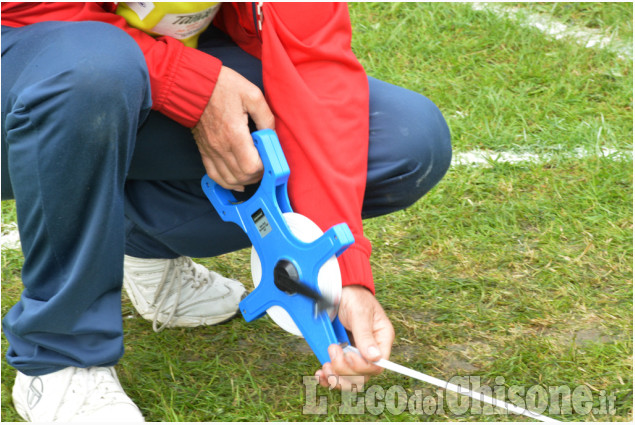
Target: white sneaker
{"points": [[180, 292], [74, 395]]}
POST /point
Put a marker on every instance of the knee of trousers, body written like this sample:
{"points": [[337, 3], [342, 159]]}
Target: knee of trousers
{"points": [[109, 66], [421, 155], [84, 79]]}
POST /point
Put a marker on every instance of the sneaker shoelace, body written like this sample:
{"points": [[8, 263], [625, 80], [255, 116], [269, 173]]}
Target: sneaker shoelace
{"points": [[179, 271]]}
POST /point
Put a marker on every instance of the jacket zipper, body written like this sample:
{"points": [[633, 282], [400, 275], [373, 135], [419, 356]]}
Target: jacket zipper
{"points": [[256, 8]]}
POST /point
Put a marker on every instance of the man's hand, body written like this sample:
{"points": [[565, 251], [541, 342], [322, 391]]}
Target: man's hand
{"points": [[372, 332], [222, 134]]}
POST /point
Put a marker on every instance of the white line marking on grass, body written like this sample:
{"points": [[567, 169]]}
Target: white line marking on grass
{"points": [[588, 37], [10, 238], [487, 158]]}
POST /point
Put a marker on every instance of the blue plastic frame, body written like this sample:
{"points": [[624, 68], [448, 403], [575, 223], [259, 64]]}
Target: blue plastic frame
{"points": [[261, 217]]}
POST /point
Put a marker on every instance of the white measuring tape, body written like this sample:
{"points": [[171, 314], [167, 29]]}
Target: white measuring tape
{"points": [[330, 284], [387, 364]]}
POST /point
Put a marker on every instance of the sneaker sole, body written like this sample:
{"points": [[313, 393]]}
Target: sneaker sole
{"points": [[189, 322]]}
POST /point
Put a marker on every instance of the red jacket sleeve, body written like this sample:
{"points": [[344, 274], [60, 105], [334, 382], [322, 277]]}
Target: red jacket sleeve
{"points": [[318, 92], [181, 78]]}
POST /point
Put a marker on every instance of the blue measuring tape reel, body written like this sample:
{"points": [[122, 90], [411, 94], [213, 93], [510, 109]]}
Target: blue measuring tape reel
{"points": [[278, 249]]}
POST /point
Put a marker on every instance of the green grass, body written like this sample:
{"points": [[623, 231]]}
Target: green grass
{"points": [[517, 271], [608, 18]]}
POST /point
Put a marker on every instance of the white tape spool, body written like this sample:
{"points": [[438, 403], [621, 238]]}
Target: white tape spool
{"points": [[329, 277]]}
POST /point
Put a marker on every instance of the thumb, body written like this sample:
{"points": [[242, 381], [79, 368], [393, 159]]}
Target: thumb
{"points": [[365, 339]]}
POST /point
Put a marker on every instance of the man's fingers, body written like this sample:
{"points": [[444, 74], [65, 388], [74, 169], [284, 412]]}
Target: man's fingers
{"points": [[217, 170], [331, 379], [360, 365], [222, 134], [258, 109], [234, 168], [350, 364], [248, 162]]}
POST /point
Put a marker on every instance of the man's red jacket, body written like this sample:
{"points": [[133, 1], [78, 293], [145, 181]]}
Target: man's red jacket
{"points": [[315, 86]]}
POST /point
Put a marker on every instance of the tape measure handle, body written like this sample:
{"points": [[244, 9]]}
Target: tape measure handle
{"points": [[274, 179], [276, 169], [223, 200]]}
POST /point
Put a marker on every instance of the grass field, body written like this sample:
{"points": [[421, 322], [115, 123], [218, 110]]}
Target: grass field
{"points": [[518, 273]]}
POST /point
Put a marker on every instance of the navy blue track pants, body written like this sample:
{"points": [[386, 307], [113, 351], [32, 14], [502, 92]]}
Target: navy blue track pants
{"points": [[96, 174]]}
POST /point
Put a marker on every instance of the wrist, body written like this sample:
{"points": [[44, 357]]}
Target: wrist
{"points": [[358, 288], [355, 266]]}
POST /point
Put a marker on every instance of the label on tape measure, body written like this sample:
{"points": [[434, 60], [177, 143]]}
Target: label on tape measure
{"points": [[261, 222]]}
